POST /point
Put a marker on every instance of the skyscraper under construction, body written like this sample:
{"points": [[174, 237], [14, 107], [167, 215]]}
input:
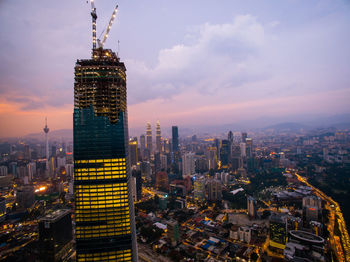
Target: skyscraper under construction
{"points": [[104, 213]]}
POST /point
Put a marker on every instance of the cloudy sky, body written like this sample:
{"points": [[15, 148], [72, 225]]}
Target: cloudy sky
{"points": [[188, 63]]}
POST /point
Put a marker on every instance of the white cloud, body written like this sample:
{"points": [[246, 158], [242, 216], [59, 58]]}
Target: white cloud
{"points": [[223, 56]]}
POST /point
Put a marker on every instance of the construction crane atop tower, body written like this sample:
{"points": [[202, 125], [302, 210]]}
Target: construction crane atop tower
{"points": [[94, 18]]}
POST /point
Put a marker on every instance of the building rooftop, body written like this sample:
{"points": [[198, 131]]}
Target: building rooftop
{"points": [[306, 236], [55, 215]]}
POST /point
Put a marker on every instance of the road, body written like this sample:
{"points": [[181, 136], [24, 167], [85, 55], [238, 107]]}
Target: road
{"points": [[342, 252]]}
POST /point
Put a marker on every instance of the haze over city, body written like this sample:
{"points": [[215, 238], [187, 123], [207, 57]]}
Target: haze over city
{"points": [[175, 131], [190, 63]]}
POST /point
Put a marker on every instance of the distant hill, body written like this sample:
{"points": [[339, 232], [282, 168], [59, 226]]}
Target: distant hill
{"points": [[341, 126], [286, 127]]}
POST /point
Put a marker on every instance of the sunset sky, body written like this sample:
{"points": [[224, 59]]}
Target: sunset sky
{"points": [[188, 63]]}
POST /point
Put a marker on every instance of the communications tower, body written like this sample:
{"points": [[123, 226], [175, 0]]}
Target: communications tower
{"points": [[46, 131]]}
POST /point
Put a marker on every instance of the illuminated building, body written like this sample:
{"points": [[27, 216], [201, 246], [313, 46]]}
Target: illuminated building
{"points": [[217, 144], [188, 164], [31, 170], [212, 157], [251, 206], [167, 146], [55, 235], [199, 188], [104, 209], [149, 138], [2, 209], [249, 147], [312, 207], [304, 246], [133, 151], [278, 233], [158, 138]]}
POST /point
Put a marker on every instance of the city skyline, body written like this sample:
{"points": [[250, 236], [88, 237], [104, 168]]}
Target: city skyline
{"points": [[239, 146], [281, 61]]}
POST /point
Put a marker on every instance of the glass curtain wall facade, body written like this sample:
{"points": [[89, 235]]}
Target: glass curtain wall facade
{"points": [[104, 212]]}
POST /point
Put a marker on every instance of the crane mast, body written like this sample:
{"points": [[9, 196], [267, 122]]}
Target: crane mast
{"points": [[94, 17]]}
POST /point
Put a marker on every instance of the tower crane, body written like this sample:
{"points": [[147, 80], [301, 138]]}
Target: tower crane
{"points": [[94, 18]]}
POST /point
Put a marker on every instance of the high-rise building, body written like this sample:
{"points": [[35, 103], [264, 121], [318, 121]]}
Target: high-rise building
{"points": [[236, 160], [104, 213], [163, 162], [249, 147], [137, 175], [251, 206], [162, 181], [134, 189], [312, 208], [199, 188], [173, 232], [244, 136], [27, 152], [158, 138], [167, 146], [157, 162], [3, 171], [2, 209], [212, 157], [214, 190], [149, 138], [145, 167], [243, 147], [13, 168], [225, 153], [175, 158], [188, 164], [142, 145], [278, 233], [31, 170], [25, 197], [133, 151], [175, 138], [55, 235]]}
